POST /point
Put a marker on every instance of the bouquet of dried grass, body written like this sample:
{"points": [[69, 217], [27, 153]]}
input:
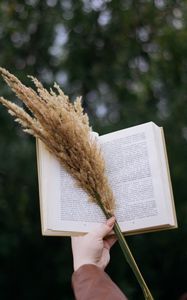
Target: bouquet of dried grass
{"points": [[64, 129]]}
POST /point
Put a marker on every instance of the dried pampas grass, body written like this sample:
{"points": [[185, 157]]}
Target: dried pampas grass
{"points": [[64, 129]]}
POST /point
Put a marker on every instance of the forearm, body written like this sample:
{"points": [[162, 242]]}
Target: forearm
{"points": [[91, 282]]}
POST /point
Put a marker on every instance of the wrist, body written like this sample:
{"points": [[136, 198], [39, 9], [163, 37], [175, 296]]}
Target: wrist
{"points": [[76, 266]]}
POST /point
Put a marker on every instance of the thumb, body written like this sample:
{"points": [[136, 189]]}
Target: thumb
{"points": [[106, 228]]}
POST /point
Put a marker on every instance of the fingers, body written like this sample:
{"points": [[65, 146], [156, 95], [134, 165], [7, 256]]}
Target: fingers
{"points": [[105, 229], [110, 241], [110, 222]]}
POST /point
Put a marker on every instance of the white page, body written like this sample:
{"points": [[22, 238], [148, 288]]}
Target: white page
{"points": [[137, 183], [140, 199]]}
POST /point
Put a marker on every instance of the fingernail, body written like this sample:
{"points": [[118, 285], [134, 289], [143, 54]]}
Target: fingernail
{"points": [[110, 222]]}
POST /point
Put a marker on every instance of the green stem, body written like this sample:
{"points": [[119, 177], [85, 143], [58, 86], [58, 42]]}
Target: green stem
{"points": [[131, 261], [127, 253]]}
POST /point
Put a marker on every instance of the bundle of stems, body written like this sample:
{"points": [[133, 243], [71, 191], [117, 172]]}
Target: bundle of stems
{"points": [[64, 128]]}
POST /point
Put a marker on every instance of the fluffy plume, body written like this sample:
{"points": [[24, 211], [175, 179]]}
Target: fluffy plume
{"points": [[64, 128]]}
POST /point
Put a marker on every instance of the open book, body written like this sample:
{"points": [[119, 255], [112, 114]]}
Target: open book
{"points": [[137, 168]]}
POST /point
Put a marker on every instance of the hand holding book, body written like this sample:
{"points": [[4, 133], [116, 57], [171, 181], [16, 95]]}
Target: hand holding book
{"points": [[91, 254], [94, 247]]}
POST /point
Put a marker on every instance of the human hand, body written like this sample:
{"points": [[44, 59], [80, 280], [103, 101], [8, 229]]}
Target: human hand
{"points": [[94, 247]]}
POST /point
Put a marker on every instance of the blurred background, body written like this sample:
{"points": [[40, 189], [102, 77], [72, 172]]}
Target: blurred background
{"points": [[128, 59]]}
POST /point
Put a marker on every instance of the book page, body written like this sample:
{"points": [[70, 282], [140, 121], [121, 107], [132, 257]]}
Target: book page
{"points": [[64, 205], [133, 168], [134, 171]]}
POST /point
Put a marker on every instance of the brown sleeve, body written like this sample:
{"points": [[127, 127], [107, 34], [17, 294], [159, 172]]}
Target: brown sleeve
{"points": [[91, 282]]}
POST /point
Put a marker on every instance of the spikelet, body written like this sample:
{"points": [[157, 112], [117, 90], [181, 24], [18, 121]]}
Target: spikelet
{"points": [[64, 128]]}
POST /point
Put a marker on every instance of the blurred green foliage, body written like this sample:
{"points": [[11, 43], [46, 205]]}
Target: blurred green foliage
{"points": [[128, 59]]}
